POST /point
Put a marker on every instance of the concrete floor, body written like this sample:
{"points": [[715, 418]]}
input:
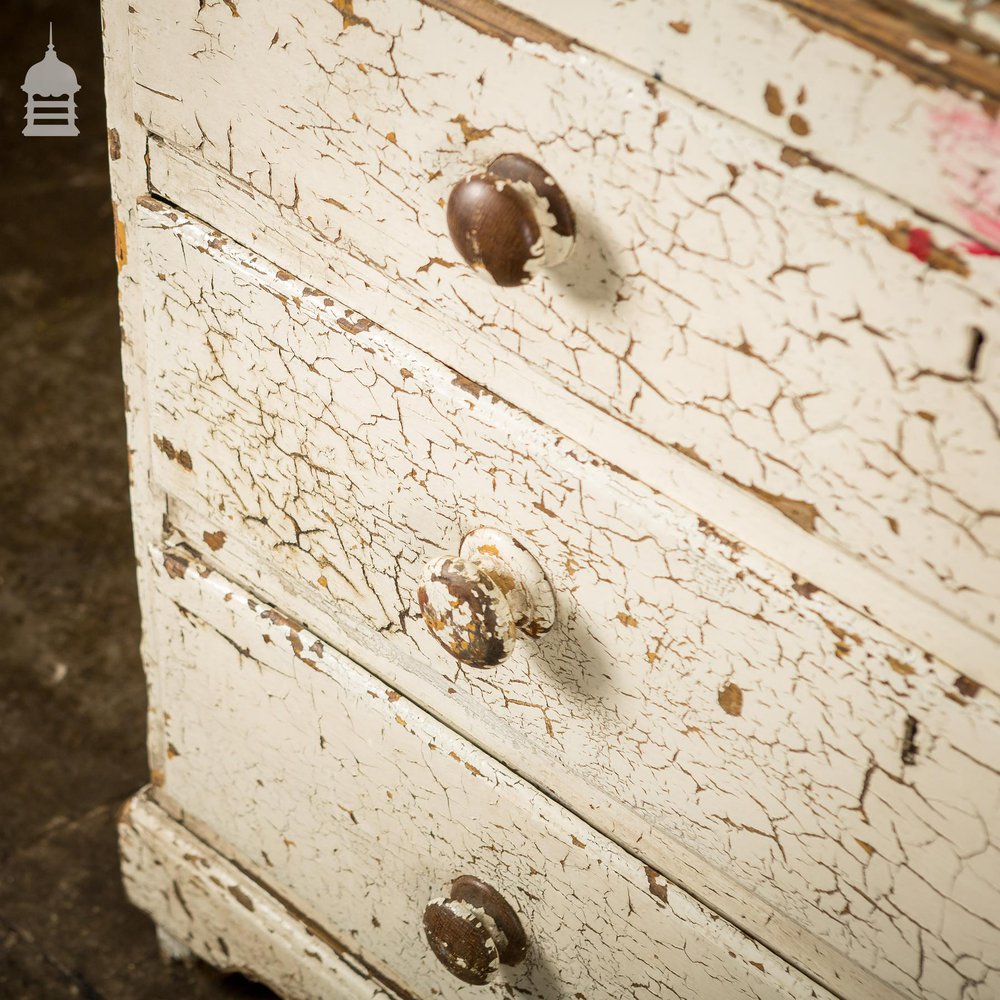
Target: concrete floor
{"points": [[72, 697]]}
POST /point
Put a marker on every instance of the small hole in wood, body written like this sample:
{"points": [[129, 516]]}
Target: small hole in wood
{"points": [[978, 339], [909, 754]]}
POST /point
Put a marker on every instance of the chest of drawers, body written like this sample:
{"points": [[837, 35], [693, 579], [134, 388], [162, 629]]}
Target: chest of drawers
{"points": [[651, 592]]}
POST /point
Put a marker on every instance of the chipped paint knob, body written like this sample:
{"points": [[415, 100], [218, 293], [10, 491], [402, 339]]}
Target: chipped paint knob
{"points": [[474, 931], [511, 220], [477, 602]]}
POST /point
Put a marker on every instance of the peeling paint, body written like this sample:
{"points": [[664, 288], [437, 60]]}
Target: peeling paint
{"points": [[918, 242], [214, 539], [344, 799], [349, 19], [180, 456], [826, 679], [121, 248], [643, 352]]}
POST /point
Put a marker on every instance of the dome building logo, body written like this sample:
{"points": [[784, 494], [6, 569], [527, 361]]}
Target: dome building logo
{"points": [[51, 87]]}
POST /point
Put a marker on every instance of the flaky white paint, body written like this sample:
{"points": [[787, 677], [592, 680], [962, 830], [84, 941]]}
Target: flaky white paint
{"points": [[923, 142], [791, 742], [362, 807], [757, 523], [724, 297], [552, 248], [205, 906]]}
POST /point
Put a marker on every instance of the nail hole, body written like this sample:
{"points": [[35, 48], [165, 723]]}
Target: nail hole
{"points": [[909, 754], [978, 339]]}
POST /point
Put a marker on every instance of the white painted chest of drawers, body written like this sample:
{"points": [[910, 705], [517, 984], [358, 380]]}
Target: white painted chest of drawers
{"points": [[744, 440]]}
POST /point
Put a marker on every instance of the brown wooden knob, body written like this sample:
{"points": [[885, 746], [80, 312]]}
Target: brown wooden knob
{"points": [[476, 602], [511, 220], [474, 931]]}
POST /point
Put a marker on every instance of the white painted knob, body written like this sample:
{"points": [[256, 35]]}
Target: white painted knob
{"points": [[475, 603]]}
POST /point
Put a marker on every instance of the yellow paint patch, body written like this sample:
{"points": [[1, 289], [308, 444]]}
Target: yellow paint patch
{"points": [[470, 133], [346, 10], [903, 669], [121, 249], [731, 699]]}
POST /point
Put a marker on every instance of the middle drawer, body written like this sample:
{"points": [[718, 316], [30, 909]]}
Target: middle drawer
{"points": [[690, 690]]}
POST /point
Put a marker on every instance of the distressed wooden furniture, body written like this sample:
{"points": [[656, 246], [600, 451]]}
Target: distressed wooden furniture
{"points": [[566, 472]]}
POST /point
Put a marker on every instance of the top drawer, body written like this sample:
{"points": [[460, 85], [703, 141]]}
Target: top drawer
{"points": [[803, 336], [900, 93]]}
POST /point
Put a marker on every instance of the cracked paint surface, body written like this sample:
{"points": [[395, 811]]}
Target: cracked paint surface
{"points": [[223, 916], [362, 808], [843, 775], [807, 73], [724, 297]]}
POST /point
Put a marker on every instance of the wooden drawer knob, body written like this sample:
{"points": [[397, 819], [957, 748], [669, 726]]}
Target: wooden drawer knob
{"points": [[475, 603], [511, 220], [474, 931]]}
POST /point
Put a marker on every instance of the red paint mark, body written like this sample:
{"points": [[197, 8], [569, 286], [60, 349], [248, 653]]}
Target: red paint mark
{"points": [[967, 144], [978, 249], [919, 243], [985, 223]]}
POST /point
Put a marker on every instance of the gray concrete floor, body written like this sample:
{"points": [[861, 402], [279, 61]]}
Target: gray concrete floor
{"points": [[72, 697]]}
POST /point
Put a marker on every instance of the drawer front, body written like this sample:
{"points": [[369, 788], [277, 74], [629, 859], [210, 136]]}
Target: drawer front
{"points": [[807, 338], [877, 88], [981, 18], [361, 808], [793, 743]]}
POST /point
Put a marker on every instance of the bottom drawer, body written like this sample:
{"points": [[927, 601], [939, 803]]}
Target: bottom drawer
{"points": [[360, 808]]}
